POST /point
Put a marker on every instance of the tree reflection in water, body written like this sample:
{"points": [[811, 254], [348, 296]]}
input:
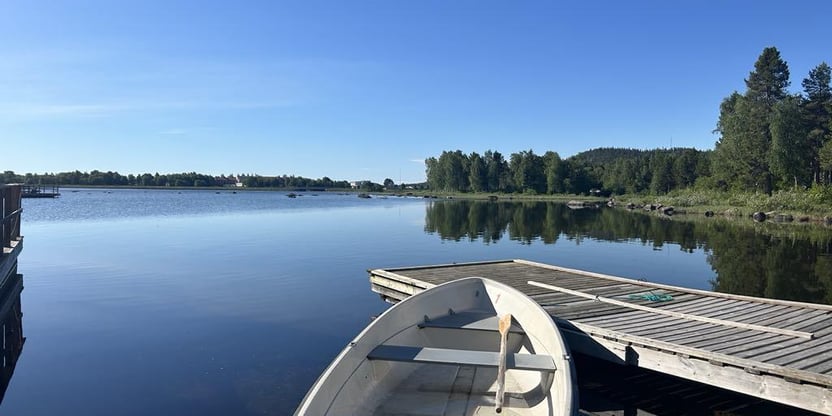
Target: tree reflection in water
{"points": [[11, 326]]}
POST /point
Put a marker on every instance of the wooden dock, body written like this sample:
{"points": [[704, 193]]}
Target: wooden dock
{"points": [[40, 191], [11, 283], [772, 349], [11, 242]]}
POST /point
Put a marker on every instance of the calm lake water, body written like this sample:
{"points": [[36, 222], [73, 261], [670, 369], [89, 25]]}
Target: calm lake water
{"points": [[160, 302]]}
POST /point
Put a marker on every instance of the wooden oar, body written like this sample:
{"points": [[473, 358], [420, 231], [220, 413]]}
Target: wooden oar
{"points": [[504, 325]]}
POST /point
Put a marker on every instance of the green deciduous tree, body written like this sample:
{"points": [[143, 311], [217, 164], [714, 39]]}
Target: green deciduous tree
{"points": [[478, 174], [434, 175], [448, 173], [497, 172], [555, 172], [527, 172], [791, 153], [825, 158]]}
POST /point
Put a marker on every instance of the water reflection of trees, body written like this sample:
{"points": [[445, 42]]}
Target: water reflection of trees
{"points": [[11, 328], [778, 261], [548, 221], [784, 262]]}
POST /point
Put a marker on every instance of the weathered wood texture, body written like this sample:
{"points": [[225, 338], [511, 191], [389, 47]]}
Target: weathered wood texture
{"points": [[10, 209], [10, 238], [11, 283], [773, 363]]}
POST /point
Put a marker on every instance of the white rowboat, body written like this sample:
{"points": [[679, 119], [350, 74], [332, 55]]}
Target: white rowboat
{"points": [[439, 353]]}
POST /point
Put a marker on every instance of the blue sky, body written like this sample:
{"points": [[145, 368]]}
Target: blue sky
{"points": [[369, 89]]}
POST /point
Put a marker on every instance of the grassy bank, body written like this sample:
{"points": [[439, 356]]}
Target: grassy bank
{"points": [[814, 203]]}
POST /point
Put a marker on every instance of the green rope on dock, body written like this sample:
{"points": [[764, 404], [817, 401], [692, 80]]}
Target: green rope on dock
{"points": [[653, 297]]}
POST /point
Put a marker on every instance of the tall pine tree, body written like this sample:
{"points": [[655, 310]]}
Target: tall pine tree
{"points": [[742, 155], [816, 110]]}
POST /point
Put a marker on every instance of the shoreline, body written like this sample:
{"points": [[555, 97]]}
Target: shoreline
{"points": [[784, 215], [781, 216]]}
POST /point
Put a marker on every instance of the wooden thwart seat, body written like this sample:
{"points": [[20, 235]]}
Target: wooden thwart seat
{"points": [[428, 355], [479, 321]]}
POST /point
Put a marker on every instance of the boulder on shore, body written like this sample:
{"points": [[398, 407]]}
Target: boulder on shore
{"points": [[759, 216]]}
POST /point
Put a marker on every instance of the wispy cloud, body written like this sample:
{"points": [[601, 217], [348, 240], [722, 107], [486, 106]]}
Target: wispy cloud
{"points": [[53, 84], [45, 110], [417, 160], [79, 81]]}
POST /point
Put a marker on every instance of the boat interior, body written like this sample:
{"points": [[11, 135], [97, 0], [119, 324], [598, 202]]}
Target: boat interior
{"points": [[448, 365]]}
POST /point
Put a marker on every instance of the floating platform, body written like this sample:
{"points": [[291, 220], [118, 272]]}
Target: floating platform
{"points": [[40, 191], [773, 349]]}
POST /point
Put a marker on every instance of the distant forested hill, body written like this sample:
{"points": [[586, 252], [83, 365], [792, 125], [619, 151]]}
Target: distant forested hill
{"points": [[606, 155]]}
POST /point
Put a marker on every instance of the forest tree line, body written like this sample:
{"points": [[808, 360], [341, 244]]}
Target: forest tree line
{"points": [[769, 140], [609, 170], [189, 179]]}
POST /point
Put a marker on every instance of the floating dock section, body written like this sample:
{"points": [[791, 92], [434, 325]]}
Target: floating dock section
{"points": [[773, 349], [40, 191]]}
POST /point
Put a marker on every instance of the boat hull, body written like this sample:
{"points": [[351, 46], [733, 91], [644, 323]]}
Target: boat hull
{"points": [[457, 319]]}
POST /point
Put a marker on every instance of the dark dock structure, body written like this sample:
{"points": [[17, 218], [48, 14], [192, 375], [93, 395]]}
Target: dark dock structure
{"points": [[40, 191], [772, 349], [11, 283]]}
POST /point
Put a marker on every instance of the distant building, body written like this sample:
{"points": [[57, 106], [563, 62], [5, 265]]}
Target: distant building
{"points": [[228, 181], [358, 184]]}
